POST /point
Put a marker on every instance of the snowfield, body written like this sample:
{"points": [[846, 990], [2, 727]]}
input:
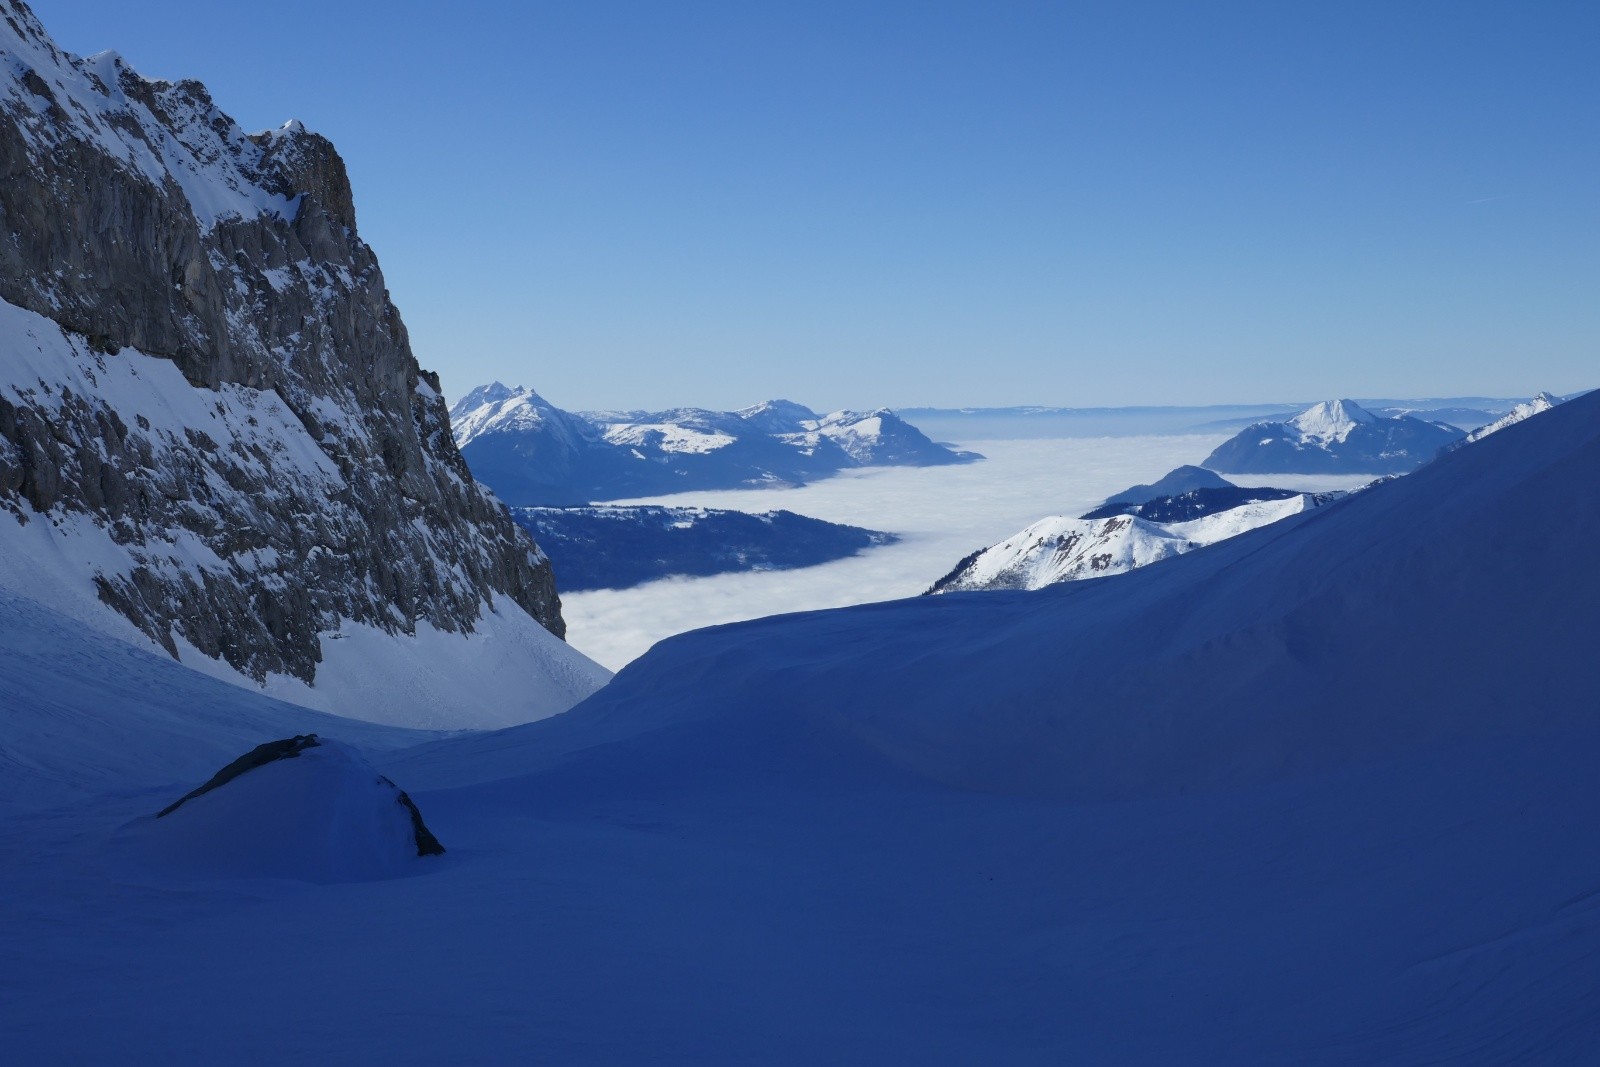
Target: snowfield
{"points": [[1322, 793]]}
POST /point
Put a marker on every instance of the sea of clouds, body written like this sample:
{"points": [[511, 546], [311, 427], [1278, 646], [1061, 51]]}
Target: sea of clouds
{"points": [[941, 514]]}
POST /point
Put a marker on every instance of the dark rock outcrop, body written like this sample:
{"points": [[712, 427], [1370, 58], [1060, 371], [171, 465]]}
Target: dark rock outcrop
{"points": [[260, 756]]}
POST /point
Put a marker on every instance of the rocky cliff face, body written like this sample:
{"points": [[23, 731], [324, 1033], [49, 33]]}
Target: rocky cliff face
{"points": [[311, 477]]}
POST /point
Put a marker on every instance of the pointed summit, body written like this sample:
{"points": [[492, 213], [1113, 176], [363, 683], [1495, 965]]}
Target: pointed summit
{"points": [[1333, 437], [1332, 420]]}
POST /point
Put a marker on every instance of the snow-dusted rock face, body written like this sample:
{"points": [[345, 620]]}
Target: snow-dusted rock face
{"points": [[1062, 549], [1333, 437], [532, 453], [201, 373], [1541, 403]]}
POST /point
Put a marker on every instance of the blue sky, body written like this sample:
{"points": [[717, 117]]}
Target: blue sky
{"points": [[851, 204]]}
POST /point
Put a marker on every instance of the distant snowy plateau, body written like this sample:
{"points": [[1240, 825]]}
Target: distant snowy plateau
{"points": [[1321, 792]]}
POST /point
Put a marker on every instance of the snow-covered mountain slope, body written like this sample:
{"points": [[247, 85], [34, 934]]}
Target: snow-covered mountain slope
{"points": [[1064, 549], [211, 423], [1354, 805], [1540, 403], [1333, 437], [534, 454], [619, 547]]}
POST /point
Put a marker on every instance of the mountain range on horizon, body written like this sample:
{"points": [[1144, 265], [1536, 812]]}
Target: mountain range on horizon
{"points": [[532, 453]]}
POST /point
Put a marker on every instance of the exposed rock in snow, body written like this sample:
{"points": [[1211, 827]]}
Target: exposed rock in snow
{"points": [[534, 454], [1333, 437], [207, 398], [305, 807]]}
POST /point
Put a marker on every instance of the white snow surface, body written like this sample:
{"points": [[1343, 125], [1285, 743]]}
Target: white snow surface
{"points": [[1322, 794], [1331, 420], [1064, 549], [510, 670]]}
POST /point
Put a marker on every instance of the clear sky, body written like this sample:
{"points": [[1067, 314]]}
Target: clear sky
{"points": [[853, 204]]}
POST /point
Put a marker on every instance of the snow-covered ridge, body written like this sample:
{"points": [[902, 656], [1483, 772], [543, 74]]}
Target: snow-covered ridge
{"points": [[1541, 403]]}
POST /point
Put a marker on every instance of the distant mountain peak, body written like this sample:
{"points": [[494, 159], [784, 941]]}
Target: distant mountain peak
{"points": [[1333, 437], [1332, 420], [779, 405]]}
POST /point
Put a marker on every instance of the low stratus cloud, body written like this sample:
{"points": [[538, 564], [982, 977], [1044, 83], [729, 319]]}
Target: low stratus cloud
{"points": [[943, 513]]}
